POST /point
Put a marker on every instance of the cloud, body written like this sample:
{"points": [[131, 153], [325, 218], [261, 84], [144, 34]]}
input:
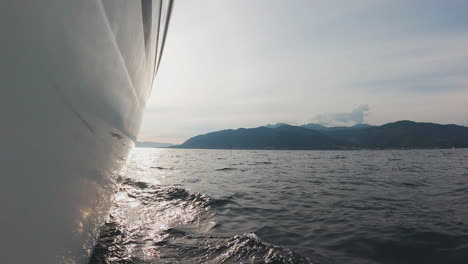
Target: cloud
{"points": [[356, 116]]}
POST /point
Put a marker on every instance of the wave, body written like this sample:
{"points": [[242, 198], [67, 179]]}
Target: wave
{"points": [[400, 244], [161, 168], [226, 169], [263, 162], [249, 248], [156, 223]]}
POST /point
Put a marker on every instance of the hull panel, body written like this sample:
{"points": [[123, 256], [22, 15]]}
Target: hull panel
{"points": [[75, 79]]}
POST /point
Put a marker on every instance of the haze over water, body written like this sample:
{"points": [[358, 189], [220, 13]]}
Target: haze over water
{"points": [[232, 206]]}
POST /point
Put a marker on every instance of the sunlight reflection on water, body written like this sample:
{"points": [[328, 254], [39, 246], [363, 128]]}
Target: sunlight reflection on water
{"points": [[223, 206]]}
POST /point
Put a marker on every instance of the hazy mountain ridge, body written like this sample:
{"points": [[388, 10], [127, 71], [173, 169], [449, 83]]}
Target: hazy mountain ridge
{"points": [[321, 127], [400, 134]]}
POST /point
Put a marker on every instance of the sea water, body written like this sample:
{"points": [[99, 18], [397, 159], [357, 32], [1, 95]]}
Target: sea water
{"points": [[254, 206]]}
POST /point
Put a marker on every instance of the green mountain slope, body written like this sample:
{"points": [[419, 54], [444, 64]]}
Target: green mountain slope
{"points": [[401, 134]]}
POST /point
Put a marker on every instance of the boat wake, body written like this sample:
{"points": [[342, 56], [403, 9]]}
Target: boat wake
{"points": [[166, 224]]}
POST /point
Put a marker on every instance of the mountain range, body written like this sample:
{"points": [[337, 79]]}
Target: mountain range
{"points": [[396, 135], [322, 127]]}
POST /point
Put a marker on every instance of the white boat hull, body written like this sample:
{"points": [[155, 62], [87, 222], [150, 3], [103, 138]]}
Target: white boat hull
{"points": [[75, 76]]}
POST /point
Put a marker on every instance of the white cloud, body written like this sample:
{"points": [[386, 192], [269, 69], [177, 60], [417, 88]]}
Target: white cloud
{"points": [[356, 116]]}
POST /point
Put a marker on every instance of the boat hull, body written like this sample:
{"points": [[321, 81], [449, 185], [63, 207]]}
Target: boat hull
{"points": [[75, 76]]}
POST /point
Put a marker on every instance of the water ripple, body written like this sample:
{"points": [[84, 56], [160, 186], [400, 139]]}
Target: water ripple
{"points": [[234, 206]]}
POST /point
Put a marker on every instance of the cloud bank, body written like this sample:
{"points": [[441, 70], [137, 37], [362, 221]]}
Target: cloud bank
{"points": [[356, 116]]}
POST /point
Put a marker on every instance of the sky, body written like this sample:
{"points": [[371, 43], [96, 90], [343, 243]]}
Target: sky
{"points": [[243, 63]]}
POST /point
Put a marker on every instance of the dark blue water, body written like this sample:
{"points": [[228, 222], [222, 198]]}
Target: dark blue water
{"points": [[240, 206]]}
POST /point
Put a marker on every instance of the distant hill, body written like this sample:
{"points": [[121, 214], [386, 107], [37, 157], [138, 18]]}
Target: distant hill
{"points": [[152, 144], [282, 137], [276, 125], [401, 134], [325, 128], [407, 134], [321, 127]]}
